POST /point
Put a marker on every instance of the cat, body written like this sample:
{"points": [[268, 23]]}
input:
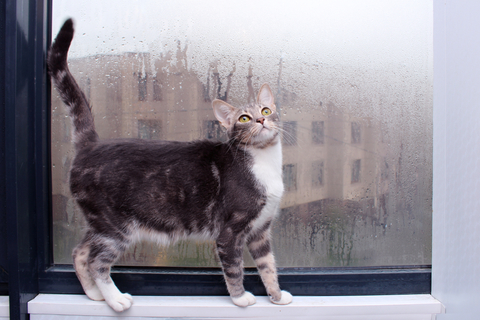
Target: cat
{"points": [[130, 189]]}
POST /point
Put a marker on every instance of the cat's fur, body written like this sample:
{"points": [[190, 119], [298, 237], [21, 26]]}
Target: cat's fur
{"points": [[165, 191]]}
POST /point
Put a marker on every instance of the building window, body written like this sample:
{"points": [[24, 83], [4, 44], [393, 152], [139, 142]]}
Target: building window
{"points": [[157, 90], [318, 135], [290, 177], [142, 87], [356, 133], [356, 167], [317, 173], [214, 130], [150, 129], [290, 133]]}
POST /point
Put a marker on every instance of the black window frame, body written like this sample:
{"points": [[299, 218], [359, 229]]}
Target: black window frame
{"points": [[25, 206]]}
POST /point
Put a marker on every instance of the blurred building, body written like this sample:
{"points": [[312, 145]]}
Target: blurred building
{"points": [[326, 155], [336, 171]]}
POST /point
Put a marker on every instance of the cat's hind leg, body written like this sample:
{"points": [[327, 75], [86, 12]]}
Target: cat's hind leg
{"points": [[80, 263], [104, 251], [260, 250]]}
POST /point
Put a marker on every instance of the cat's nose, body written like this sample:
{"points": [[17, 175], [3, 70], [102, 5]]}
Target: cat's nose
{"points": [[260, 120]]}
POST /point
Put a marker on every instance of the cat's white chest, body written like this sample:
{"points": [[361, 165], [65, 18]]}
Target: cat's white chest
{"points": [[267, 169]]}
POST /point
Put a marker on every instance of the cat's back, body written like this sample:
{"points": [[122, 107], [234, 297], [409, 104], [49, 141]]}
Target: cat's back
{"points": [[135, 154], [113, 164]]}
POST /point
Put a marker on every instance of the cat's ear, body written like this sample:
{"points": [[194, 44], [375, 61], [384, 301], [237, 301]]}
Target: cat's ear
{"points": [[223, 112], [265, 96]]}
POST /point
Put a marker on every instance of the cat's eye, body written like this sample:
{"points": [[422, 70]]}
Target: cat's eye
{"points": [[266, 112], [244, 119]]}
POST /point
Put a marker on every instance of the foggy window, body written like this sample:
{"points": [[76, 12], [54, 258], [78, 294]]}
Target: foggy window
{"points": [[357, 167]]}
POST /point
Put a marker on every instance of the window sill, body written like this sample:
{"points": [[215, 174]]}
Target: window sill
{"points": [[4, 307], [394, 307]]}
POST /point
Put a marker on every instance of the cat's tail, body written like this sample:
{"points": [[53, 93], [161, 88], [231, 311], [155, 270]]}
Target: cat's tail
{"points": [[80, 111]]}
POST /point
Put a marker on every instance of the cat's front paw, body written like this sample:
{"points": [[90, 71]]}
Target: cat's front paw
{"points": [[245, 300], [285, 299], [120, 302]]}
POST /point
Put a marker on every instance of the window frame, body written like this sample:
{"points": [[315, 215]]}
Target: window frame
{"points": [[27, 213], [3, 202]]}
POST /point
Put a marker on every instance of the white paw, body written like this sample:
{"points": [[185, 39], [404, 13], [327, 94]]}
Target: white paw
{"points": [[120, 302], [94, 294], [245, 300], [286, 298]]}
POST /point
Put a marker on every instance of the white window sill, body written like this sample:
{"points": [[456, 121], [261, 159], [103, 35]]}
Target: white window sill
{"points": [[395, 307], [4, 308]]}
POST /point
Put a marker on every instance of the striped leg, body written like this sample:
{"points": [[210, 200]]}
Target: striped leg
{"points": [[230, 252], [80, 263], [103, 254], [260, 249]]}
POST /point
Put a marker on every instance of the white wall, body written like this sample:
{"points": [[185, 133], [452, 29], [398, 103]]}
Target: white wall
{"points": [[456, 169]]}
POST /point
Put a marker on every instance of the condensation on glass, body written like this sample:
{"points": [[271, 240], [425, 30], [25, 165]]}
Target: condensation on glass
{"points": [[352, 81]]}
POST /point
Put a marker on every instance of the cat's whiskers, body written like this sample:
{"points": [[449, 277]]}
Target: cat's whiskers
{"points": [[287, 136]]}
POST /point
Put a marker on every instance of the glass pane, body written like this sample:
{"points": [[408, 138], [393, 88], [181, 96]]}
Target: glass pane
{"points": [[353, 81]]}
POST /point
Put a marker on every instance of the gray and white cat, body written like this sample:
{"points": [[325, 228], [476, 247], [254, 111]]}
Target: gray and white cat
{"points": [[164, 191]]}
